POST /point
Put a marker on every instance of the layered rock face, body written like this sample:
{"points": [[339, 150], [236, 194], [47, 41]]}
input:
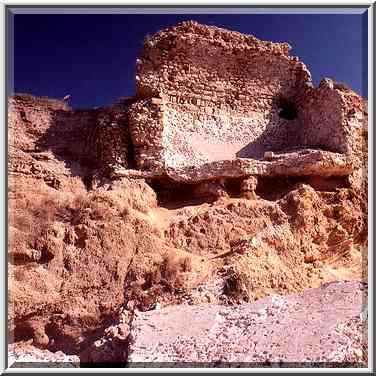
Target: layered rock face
{"points": [[213, 101]]}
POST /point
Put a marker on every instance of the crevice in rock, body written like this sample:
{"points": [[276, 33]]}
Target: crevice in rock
{"points": [[88, 182], [22, 331], [275, 188], [174, 195], [46, 255]]}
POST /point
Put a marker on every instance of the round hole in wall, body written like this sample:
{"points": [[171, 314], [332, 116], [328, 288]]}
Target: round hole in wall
{"points": [[287, 109]]}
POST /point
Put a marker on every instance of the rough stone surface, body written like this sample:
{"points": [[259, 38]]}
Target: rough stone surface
{"points": [[130, 205], [328, 324], [305, 162], [89, 141], [225, 97], [25, 355]]}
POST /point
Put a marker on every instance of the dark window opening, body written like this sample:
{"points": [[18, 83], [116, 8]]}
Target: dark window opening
{"points": [[88, 182], [23, 115], [287, 109]]}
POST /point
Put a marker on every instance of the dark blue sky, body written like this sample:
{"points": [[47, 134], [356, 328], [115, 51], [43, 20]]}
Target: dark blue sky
{"points": [[92, 57]]}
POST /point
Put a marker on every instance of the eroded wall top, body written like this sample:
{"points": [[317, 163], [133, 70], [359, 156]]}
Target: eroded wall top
{"points": [[225, 96], [202, 60], [222, 95]]}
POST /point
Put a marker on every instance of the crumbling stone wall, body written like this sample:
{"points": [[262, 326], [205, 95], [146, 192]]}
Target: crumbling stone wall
{"points": [[110, 138], [333, 119], [146, 127], [28, 119], [225, 95], [209, 104], [222, 92], [94, 140]]}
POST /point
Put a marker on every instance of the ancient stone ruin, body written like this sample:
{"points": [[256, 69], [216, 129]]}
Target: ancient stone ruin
{"points": [[226, 180], [213, 103]]}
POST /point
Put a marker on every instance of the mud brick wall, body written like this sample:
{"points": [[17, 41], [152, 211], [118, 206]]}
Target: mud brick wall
{"points": [[221, 92], [203, 94], [322, 116], [355, 111]]}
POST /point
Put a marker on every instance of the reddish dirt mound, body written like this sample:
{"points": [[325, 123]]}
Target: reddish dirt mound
{"points": [[78, 252]]}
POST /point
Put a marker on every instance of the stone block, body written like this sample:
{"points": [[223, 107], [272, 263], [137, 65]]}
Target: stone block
{"points": [[156, 101], [268, 155]]}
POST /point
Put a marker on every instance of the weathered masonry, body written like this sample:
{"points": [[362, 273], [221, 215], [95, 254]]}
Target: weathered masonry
{"points": [[212, 103]]}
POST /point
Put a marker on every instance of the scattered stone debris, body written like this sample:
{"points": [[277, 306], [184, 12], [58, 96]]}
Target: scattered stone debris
{"points": [[317, 328], [25, 355]]}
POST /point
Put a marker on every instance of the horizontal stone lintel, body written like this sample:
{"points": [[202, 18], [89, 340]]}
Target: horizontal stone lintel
{"points": [[304, 162]]}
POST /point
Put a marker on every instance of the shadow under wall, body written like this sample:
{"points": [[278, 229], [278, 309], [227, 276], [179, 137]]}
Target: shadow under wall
{"points": [[280, 133], [86, 142], [67, 139]]}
